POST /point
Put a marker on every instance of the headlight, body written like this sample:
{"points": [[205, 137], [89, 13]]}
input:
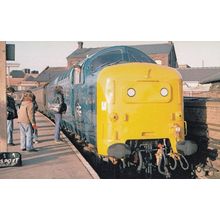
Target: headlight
{"points": [[164, 92], [131, 92]]}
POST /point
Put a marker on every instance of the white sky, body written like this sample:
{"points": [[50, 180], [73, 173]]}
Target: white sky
{"points": [[37, 55], [192, 27], [98, 20]]}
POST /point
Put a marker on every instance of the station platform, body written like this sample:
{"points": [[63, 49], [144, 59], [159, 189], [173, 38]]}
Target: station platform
{"points": [[52, 160]]}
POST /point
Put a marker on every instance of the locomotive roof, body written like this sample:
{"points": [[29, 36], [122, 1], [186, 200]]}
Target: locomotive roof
{"points": [[147, 49]]}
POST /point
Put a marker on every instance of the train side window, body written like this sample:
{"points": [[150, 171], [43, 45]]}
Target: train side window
{"points": [[77, 75], [81, 76], [72, 78], [76, 78]]}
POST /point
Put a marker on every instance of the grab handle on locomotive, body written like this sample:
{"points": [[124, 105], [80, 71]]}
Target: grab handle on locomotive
{"points": [[183, 161], [185, 128]]}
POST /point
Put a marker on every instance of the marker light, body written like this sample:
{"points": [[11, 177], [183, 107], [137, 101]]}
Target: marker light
{"points": [[131, 92], [164, 92]]}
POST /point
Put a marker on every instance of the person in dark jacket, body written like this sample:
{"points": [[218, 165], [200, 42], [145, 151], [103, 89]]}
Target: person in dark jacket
{"points": [[59, 100], [11, 115]]}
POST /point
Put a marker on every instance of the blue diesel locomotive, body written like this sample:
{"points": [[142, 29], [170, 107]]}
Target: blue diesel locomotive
{"points": [[127, 108]]}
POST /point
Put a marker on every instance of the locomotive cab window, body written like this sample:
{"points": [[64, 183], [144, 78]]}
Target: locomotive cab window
{"points": [[106, 59]]}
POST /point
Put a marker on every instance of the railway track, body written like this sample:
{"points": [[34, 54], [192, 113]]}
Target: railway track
{"points": [[203, 119], [106, 170]]}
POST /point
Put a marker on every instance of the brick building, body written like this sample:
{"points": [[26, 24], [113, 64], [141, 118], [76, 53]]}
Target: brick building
{"points": [[22, 79], [163, 54], [15, 78], [49, 74], [200, 81]]}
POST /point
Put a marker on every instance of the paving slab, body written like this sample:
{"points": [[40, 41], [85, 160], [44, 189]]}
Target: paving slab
{"points": [[52, 161]]}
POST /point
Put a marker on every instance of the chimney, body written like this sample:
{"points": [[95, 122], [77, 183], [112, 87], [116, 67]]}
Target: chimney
{"points": [[34, 72], [27, 71], [80, 45]]}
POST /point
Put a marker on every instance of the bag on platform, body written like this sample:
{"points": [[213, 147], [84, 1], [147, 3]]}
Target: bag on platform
{"points": [[55, 107], [58, 108], [10, 159]]}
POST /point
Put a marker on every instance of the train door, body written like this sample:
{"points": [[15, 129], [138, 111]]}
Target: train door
{"points": [[78, 103], [72, 103], [72, 94]]}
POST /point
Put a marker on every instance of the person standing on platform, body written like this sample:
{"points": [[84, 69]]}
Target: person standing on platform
{"points": [[26, 119], [59, 101], [35, 106], [11, 115]]}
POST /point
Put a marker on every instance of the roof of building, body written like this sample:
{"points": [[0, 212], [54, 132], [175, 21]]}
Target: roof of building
{"points": [[211, 79], [34, 72], [198, 73], [146, 48], [17, 74], [184, 66], [84, 52], [50, 73], [155, 48], [30, 78]]}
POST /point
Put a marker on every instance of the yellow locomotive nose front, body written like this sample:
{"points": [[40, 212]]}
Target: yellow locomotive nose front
{"points": [[138, 101]]}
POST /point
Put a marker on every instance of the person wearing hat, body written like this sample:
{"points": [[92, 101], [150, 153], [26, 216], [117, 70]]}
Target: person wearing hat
{"points": [[11, 115]]}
